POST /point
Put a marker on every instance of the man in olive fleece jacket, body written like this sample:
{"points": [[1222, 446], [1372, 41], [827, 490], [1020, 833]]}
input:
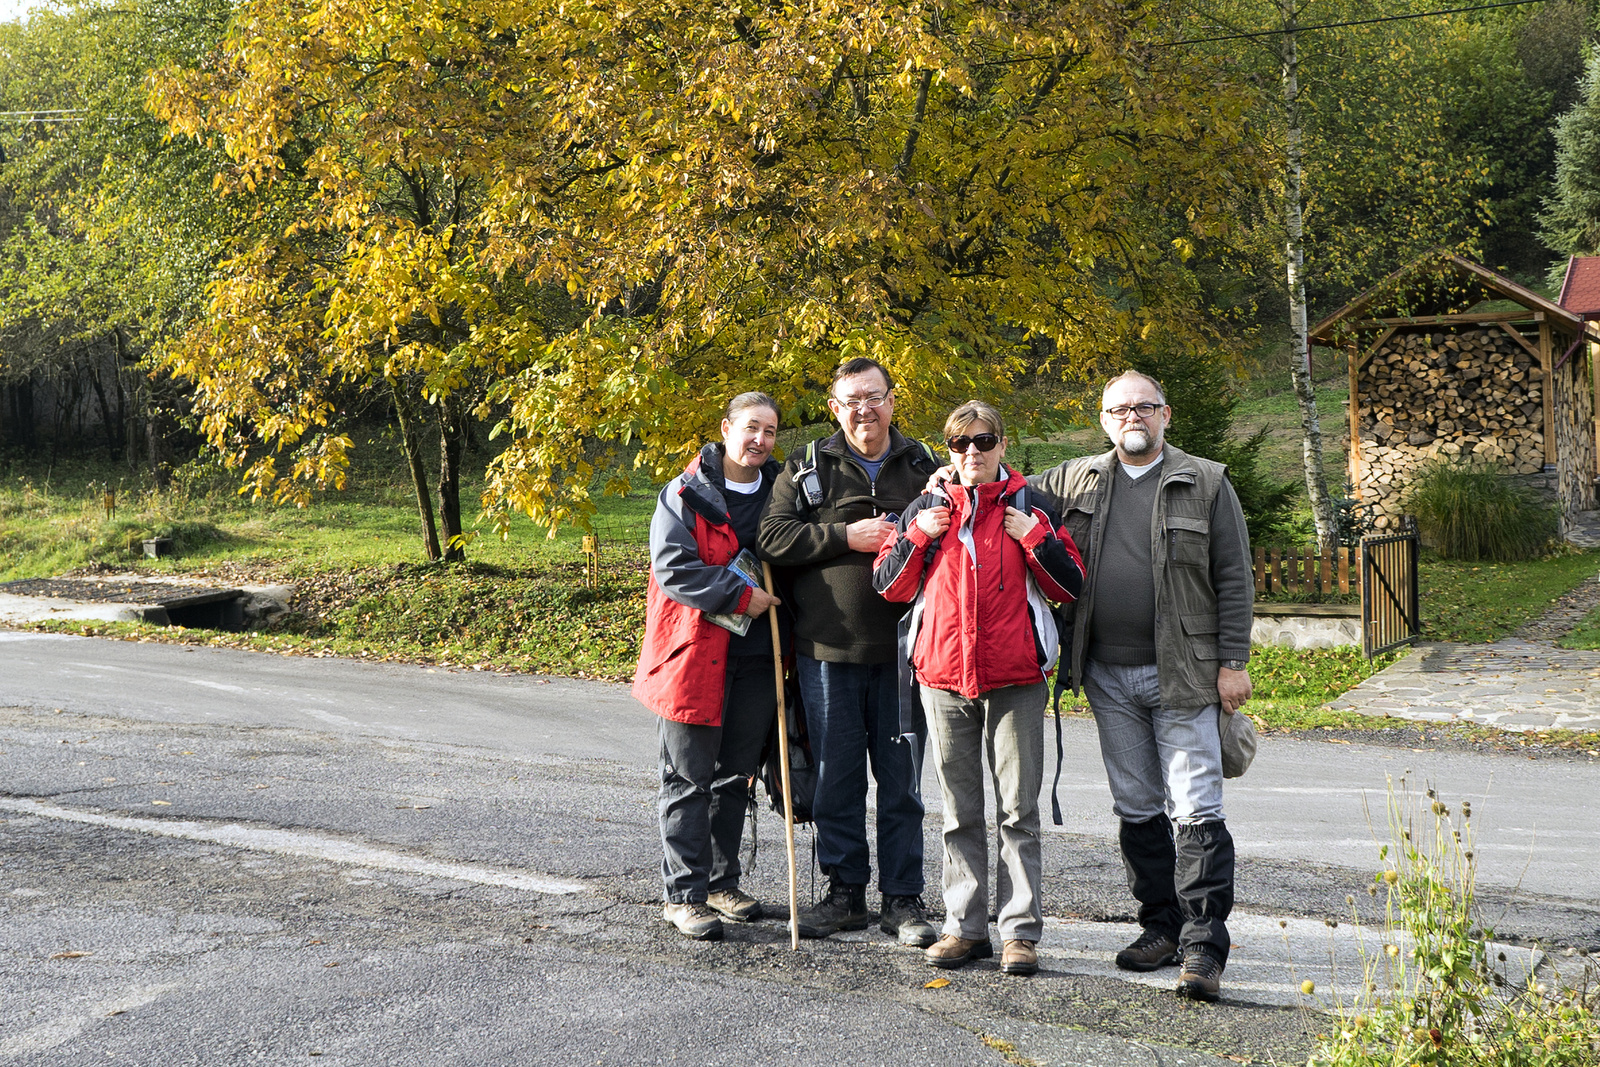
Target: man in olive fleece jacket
{"points": [[1161, 643], [845, 645]]}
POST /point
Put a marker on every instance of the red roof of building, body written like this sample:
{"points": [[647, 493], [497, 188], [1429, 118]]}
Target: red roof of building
{"points": [[1580, 290]]}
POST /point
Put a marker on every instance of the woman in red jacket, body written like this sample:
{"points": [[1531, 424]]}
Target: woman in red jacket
{"points": [[714, 689], [979, 570]]}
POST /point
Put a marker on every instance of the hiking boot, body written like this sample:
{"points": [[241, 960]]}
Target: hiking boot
{"points": [[844, 908], [1202, 974], [1019, 957], [733, 904], [950, 951], [906, 920], [694, 919], [1152, 949]]}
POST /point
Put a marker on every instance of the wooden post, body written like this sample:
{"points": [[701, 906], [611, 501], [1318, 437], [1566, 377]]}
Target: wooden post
{"points": [[1594, 367], [1355, 424], [1261, 570], [1548, 364], [1327, 572]]}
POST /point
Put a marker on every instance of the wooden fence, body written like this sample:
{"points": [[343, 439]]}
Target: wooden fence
{"points": [[1306, 570]]}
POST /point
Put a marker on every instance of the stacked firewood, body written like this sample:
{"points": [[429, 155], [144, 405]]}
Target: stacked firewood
{"points": [[1470, 391]]}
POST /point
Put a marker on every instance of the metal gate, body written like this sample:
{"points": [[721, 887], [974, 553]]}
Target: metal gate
{"points": [[1389, 613]]}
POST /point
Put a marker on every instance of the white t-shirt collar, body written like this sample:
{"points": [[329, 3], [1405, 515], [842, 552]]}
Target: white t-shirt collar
{"points": [[1139, 472]]}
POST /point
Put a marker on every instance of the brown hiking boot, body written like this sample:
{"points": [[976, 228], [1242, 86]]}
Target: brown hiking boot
{"points": [[950, 951], [1150, 950], [735, 904], [693, 920], [1202, 975], [1019, 957]]}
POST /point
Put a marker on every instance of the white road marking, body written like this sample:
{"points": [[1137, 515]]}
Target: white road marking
{"points": [[217, 685], [23, 635], [303, 843], [328, 717], [64, 1028]]}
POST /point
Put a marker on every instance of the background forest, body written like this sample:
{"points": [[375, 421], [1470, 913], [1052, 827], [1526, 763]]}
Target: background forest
{"points": [[522, 251]]}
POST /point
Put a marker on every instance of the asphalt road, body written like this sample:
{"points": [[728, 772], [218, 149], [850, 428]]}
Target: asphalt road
{"points": [[209, 856]]}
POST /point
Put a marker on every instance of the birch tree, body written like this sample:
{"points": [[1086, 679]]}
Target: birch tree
{"points": [[1357, 109]]}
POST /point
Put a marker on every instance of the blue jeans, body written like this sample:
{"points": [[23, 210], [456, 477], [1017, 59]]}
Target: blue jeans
{"points": [[853, 716]]}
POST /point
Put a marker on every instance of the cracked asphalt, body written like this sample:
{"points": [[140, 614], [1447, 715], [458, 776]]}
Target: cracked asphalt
{"points": [[220, 857]]}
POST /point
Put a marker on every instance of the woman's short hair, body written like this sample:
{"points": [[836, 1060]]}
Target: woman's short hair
{"points": [[974, 411], [752, 399]]}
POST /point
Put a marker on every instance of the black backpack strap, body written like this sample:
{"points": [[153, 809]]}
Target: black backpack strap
{"points": [[1055, 802]]}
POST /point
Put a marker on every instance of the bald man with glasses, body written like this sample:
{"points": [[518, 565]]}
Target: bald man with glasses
{"points": [[1160, 641]]}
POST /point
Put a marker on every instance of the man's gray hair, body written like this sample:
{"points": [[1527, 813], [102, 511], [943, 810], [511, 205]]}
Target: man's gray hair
{"points": [[1160, 390]]}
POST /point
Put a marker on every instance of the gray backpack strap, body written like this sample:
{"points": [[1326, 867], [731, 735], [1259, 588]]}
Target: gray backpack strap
{"points": [[810, 482]]}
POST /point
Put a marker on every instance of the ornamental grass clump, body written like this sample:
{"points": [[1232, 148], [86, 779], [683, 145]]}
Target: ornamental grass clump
{"points": [[1472, 510], [1439, 992]]}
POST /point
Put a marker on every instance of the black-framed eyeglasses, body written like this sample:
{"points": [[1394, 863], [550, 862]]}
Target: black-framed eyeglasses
{"points": [[1144, 411], [984, 441]]}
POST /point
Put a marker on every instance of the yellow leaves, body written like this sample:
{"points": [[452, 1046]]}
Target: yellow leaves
{"points": [[937, 983]]}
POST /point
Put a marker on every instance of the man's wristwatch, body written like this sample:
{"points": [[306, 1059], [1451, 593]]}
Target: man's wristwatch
{"points": [[1236, 664]]}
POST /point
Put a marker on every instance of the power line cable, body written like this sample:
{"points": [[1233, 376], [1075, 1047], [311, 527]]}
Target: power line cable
{"points": [[1352, 22], [1238, 36]]}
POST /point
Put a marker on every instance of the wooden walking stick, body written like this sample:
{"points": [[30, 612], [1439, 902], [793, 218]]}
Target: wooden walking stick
{"points": [[783, 760]]}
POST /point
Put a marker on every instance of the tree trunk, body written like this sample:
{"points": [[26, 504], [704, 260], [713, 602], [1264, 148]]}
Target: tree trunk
{"points": [[107, 421], [127, 398], [419, 475], [452, 437], [1294, 257]]}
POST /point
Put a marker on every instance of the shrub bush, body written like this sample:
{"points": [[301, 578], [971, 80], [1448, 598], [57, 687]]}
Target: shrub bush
{"points": [[1438, 993], [1474, 511]]}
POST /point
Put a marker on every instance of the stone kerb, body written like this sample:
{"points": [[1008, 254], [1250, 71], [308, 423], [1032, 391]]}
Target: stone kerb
{"points": [[1306, 625]]}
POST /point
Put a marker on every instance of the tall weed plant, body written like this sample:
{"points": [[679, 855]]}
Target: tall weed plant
{"points": [[1472, 510], [1438, 992]]}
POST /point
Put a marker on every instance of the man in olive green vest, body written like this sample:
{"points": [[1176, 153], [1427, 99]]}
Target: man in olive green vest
{"points": [[1160, 641]]}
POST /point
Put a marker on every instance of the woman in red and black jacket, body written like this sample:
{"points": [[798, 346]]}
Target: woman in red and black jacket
{"points": [[714, 690], [979, 571]]}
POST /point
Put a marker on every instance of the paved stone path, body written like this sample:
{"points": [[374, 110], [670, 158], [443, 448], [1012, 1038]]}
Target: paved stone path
{"points": [[1523, 682]]}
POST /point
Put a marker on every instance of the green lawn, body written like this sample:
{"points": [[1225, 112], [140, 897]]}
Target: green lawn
{"points": [[1476, 602], [1587, 634]]}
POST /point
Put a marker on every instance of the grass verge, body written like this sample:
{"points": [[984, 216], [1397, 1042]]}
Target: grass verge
{"points": [[1585, 635], [1478, 602]]}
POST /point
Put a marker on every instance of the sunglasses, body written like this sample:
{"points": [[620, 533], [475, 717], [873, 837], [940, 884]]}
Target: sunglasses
{"points": [[984, 441]]}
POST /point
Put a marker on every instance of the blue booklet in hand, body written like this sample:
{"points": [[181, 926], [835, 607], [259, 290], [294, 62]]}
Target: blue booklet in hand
{"points": [[746, 566]]}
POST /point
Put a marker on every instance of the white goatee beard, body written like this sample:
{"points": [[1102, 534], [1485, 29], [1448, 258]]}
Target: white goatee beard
{"points": [[1137, 443]]}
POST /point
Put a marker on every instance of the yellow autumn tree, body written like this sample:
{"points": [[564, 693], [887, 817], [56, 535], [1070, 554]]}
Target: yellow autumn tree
{"points": [[590, 223], [964, 191]]}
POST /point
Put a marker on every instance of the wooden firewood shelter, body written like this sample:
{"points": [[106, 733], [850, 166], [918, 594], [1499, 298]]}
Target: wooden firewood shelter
{"points": [[1450, 359]]}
